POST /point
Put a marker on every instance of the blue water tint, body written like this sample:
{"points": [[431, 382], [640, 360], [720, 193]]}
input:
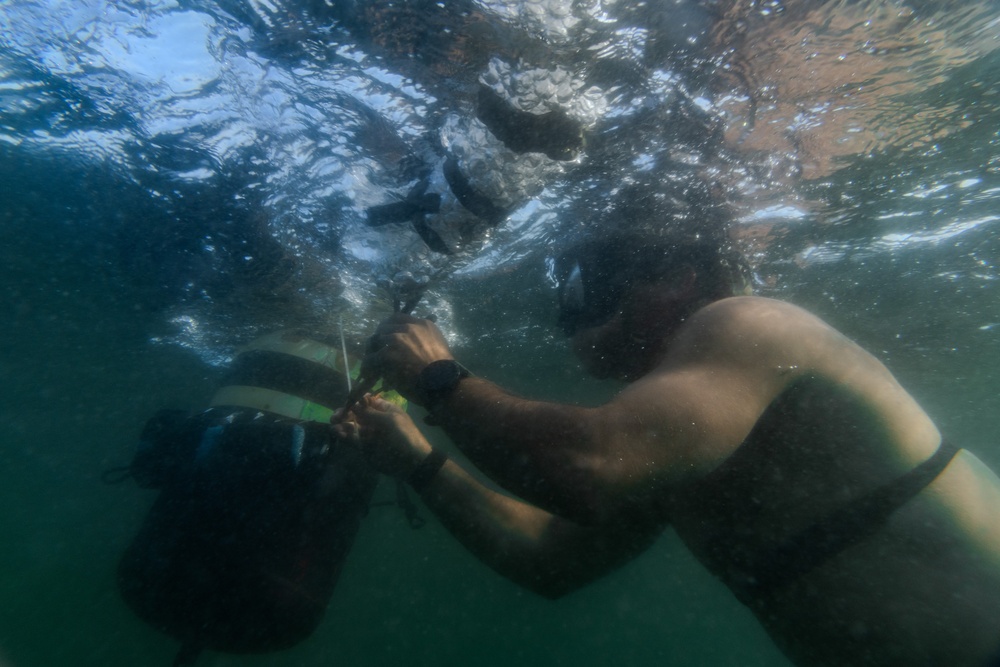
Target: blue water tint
{"points": [[181, 176]]}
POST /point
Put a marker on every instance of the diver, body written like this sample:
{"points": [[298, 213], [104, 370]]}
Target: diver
{"points": [[788, 459], [526, 92], [529, 126], [257, 508]]}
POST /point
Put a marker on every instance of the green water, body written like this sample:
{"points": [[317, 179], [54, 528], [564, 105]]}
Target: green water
{"points": [[79, 375], [79, 379]]}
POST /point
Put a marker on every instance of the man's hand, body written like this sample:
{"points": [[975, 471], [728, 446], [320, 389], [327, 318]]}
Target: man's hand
{"points": [[386, 435], [402, 347]]}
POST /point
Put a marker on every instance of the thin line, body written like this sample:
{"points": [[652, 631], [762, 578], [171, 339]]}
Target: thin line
{"points": [[343, 347]]}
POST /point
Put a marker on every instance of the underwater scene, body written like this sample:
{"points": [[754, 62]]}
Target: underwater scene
{"points": [[183, 177]]}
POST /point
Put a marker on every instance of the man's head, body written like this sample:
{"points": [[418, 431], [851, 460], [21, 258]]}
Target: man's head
{"points": [[621, 295], [594, 276]]}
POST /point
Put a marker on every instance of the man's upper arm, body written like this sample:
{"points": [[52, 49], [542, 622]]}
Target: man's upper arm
{"points": [[674, 425], [722, 371]]}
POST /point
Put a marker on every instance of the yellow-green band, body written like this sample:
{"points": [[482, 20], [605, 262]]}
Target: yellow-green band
{"points": [[268, 400], [301, 347]]}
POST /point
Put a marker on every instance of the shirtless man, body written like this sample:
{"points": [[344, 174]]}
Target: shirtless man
{"points": [[788, 459]]}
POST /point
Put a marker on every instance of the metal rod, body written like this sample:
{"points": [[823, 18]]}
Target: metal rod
{"points": [[343, 347]]}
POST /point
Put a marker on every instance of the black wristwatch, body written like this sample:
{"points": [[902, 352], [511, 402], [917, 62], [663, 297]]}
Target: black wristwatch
{"points": [[438, 379]]}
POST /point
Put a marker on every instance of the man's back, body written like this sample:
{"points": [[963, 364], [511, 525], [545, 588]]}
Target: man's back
{"points": [[922, 588]]}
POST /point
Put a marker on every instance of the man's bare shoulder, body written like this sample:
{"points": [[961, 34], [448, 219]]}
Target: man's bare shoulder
{"points": [[771, 339], [720, 372], [751, 312], [752, 328]]}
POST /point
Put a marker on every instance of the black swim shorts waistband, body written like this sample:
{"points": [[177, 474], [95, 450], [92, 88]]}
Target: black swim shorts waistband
{"points": [[774, 568]]}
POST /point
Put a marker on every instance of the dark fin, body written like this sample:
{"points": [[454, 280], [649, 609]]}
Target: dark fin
{"points": [[388, 214], [403, 211], [553, 133], [417, 203], [430, 237], [477, 204]]}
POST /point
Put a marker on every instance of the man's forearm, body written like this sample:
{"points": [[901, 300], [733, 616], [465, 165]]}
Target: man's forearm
{"points": [[502, 532], [546, 554], [540, 451]]}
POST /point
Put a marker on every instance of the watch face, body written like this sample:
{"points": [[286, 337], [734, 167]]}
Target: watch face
{"points": [[442, 376], [439, 378]]}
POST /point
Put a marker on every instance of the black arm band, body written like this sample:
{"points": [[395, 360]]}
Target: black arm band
{"points": [[427, 470]]}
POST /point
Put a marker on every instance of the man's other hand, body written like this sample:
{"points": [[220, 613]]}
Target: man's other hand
{"points": [[386, 436]]}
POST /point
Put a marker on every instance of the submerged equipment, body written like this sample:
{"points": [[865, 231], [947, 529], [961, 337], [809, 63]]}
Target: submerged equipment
{"points": [[258, 505]]}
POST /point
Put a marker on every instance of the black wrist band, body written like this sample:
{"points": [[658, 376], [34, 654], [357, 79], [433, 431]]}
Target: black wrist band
{"points": [[427, 470], [438, 380]]}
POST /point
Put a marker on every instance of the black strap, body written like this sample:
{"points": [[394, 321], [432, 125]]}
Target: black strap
{"points": [[553, 132], [288, 374], [773, 568], [478, 204]]}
